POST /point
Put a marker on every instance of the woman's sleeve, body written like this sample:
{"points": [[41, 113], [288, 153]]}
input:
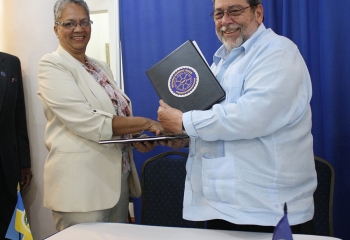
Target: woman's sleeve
{"points": [[63, 98]]}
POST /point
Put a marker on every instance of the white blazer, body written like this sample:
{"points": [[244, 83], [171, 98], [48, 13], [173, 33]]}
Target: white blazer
{"points": [[80, 174]]}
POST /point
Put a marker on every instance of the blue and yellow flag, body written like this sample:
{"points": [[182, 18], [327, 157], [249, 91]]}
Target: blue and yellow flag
{"points": [[19, 227]]}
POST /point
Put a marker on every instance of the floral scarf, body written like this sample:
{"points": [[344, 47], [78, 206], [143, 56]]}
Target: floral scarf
{"points": [[120, 104]]}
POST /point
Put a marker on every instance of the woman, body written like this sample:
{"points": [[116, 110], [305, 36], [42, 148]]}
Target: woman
{"points": [[85, 181]]}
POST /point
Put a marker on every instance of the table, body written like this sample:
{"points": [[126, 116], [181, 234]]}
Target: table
{"points": [[124, 231]]}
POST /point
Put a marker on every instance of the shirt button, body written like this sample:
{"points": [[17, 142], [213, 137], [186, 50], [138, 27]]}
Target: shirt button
{"points": [[94, 110], [278, 218], [191, 155], [276, 205]]}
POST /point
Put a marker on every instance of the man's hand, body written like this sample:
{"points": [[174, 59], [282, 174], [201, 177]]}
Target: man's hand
{"points": [[176, 143], [26, 177], [145, 146], [170, 118]]}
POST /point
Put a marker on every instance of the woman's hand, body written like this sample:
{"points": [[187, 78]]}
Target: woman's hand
{"points": [[122, 125], [155, 127]]}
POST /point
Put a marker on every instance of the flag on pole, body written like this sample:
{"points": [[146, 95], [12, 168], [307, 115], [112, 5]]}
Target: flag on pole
{"points": [[19, 227], [283, 230]]}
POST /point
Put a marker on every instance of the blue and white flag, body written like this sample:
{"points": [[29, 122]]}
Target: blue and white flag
{"points": [[283, 230]]}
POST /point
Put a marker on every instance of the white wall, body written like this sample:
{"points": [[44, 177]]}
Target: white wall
{"points": [[26, 30]]}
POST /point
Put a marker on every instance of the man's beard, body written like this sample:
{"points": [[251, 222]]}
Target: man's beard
{"points": [[246, 31], [228, 42]]}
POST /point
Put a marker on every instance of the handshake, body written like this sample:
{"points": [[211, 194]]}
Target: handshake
{"points": [[168, 131], [170, 120]]}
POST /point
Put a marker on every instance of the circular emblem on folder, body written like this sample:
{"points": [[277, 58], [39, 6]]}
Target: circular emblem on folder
{"points": [[183, 81]]}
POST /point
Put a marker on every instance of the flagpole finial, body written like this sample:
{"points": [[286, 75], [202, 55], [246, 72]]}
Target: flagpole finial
{"points": [[282, 229]]}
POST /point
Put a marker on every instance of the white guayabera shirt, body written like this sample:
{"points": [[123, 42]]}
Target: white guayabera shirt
{"points": [[253, 152]]}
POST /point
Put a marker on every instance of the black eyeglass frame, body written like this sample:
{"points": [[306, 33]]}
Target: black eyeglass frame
{"points": [[232, 14]]}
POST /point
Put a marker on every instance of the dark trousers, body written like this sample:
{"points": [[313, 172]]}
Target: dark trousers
{"points": [[7, 205], [304, 228]]}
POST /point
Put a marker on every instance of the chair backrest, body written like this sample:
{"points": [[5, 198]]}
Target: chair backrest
{"points": [[323, 198], [163, 184]]}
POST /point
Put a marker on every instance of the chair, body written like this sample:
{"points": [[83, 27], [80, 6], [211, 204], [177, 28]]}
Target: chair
{"points": [[323, 198], [163, 183]]}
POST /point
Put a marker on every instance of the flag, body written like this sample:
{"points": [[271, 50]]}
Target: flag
{"points": [[283, 230], [19, 227]]}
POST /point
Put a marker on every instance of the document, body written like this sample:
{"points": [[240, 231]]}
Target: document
{"points": [[183, 79], [145, 139]]}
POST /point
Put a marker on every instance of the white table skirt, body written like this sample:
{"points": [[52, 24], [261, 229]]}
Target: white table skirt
{"points": [[120, 231]]}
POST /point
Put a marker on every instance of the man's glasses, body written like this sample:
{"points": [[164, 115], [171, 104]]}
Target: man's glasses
{"points": [[71, 25], [233, 11]]}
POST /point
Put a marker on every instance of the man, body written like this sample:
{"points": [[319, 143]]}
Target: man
{"points": [[253, 152], [14, 144]]}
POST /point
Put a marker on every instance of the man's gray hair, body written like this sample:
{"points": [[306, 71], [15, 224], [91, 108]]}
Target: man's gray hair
{"points": [[250, 2], [61, 4]]}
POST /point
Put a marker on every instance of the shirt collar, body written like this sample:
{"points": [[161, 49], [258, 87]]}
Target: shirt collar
{"points": [[222, 53]]}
